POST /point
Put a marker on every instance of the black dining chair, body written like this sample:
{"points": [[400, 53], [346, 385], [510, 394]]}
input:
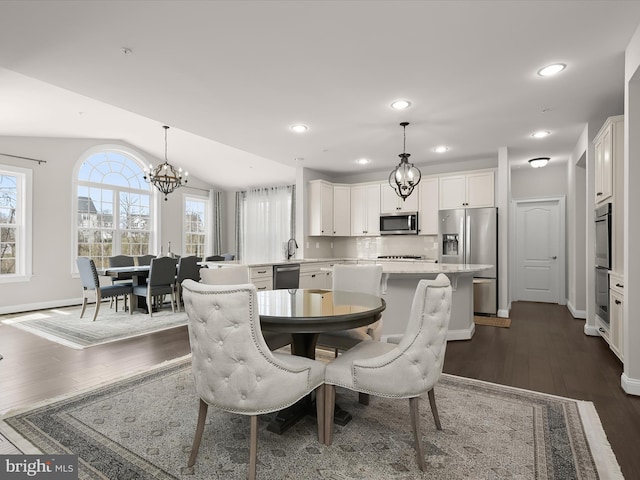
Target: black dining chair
{"points": [[121, 261], [214, 258], [91, 287], [188, 268], [143, 260], [162, 279]]}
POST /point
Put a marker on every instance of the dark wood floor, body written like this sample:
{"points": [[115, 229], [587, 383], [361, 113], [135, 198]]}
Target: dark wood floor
{"points": [[544, 350]]}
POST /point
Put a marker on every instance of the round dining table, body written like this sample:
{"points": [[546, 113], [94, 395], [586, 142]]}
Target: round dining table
{"points": [[305, 314]]}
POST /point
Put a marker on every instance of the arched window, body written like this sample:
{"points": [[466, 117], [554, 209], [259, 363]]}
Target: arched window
{"points": [[114, 214]]}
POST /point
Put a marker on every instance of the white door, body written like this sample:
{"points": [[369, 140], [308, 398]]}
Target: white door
{"points": [[538, 251]]}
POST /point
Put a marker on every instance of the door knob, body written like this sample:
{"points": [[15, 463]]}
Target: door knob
{"points": [[554, 257]]}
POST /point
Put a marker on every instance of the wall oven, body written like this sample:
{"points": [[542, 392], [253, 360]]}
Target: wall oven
{"points": [[603, 260], [405, 223]]}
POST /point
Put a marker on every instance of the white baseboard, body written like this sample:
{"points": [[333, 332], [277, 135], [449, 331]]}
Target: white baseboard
{"points": [[40, 305], [591, 330], [463, 334], [630, 385], [576, 313]]}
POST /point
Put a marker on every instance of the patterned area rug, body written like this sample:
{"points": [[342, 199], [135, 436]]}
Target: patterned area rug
{"points": [[64, 325], [142, 427]]}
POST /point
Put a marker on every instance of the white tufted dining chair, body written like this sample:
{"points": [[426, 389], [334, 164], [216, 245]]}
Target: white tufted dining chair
{"points": [[239, 274], [405, 370], [354, 278], [234, 369]]}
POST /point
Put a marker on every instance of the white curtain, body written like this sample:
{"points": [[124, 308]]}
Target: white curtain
{"points": [[265, 221]]}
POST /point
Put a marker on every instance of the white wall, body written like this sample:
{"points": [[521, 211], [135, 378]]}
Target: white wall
{"points": [[550, 181], [631, 375], [576, 227], [52, 283]]}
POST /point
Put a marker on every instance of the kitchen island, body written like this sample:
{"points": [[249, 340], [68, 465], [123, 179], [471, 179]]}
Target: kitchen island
{"points": [[400, 280]]}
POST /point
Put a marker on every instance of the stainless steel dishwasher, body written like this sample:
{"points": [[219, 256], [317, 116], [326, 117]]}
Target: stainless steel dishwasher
{"points": [[286, 276]]}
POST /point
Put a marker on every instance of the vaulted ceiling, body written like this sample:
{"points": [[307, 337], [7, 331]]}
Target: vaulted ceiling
{"points": [[231, 77]]}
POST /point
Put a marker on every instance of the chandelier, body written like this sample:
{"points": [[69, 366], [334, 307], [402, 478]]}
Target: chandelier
{"points": [[165, 177], [405, 176]]}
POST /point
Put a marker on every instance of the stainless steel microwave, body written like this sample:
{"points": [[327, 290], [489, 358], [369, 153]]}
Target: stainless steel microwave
{"points": [[401, 223]]}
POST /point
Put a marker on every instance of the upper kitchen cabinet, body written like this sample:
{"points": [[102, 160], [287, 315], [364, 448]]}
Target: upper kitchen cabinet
{"points": [[341, 210], [329, 209], [428, 211], [471, 190], [608, 156], [392, 203], [365, 209]]}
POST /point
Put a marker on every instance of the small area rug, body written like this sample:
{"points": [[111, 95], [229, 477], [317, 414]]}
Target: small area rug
{"points": [[64, 325], [492, 321], [142, 427]]}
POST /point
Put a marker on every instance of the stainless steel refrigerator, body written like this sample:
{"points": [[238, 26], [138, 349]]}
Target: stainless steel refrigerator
{"points": [[470, 236]]}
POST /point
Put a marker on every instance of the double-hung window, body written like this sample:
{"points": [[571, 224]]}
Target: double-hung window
{"points": [[195, 225], [15, 223]]}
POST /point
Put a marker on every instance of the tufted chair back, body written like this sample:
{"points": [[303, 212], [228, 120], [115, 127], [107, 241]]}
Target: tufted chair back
{"points": [[88, 273], [232, 364], [406, 370], [234, 369]]}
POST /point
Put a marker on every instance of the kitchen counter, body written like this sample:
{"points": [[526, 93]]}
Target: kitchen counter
{"points": [[400, 278]]}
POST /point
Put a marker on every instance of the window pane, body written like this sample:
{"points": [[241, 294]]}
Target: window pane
{"points": [[114, 214], [8, 198]]}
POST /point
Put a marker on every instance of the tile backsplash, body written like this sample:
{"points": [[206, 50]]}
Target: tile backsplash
{"points": [[372, 247]]}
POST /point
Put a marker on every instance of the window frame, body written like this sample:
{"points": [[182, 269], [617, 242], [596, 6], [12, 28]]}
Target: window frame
{"points": [[24, 230], [154, 204], [186, 197]]}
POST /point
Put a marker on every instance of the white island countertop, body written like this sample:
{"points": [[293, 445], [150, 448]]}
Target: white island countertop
{"points": [[432, 268]]}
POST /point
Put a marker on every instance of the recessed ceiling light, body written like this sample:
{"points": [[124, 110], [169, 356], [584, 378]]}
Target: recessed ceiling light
{"points": [[126, 50], [299, 128], [362, 161], [539, 162], [551, 69], [441, 149], [540, 134], [401, 104]]}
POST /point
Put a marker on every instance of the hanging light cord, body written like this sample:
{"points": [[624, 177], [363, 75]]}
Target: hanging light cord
{"points": [[165, 144]]}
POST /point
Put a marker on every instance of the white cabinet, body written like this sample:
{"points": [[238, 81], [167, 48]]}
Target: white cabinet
{"points": [[616, 319], [428, 211], [316, 275], [341, 210], [320, 208], [329, 209], [262, 277], [609, 182], [471, 190], [609, 154], [390, 202], [365, 209]]}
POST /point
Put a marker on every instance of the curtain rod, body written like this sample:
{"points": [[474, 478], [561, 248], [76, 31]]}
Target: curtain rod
{"points": [[23, 158]]}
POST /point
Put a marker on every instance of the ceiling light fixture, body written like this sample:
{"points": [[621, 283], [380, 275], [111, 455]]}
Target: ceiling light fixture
{"points": [[401, 104], [539, 162], [551, 69], [441, 149], [362, 161], [540, 134], [165, 177], [404, 178], [299, 128]]}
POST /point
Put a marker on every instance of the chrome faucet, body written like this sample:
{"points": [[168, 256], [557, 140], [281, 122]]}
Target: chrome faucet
{"points": [[292, 246]]}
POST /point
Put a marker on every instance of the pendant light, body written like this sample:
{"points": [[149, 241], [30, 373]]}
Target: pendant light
{"points": [[404, 178], [165, 177]]}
